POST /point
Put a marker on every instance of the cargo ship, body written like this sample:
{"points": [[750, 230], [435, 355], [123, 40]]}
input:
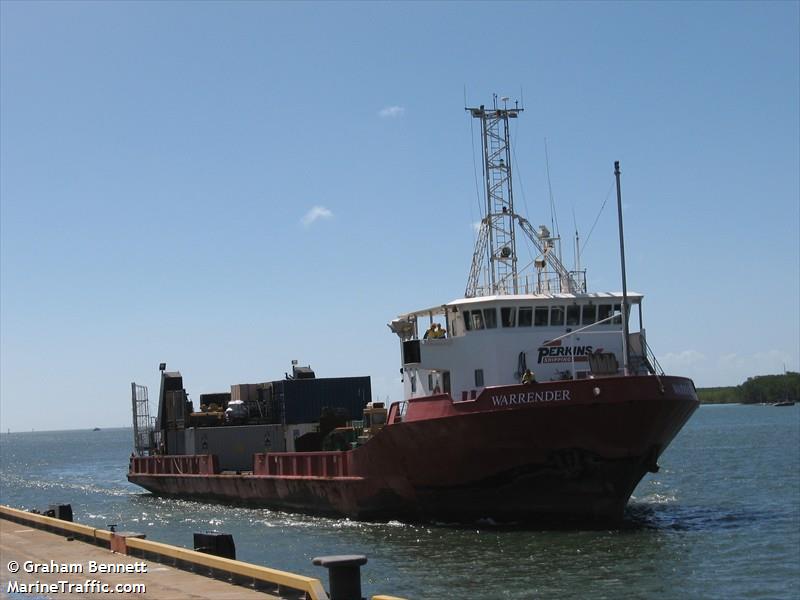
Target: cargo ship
{"points": [[527, 399]]}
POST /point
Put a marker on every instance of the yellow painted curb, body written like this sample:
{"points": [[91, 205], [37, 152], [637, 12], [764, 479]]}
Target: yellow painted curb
{"points": [[312, 587]]}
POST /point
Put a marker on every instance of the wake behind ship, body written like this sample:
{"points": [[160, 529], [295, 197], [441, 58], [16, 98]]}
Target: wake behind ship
{"points": [[529, 399]]}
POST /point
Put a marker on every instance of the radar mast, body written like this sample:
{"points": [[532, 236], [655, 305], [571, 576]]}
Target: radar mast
{"points": [[495, 253], [494, 260]]}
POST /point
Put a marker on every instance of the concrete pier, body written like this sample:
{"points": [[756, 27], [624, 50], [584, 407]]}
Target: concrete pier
{"points": [[33, 548], [43, 557]]}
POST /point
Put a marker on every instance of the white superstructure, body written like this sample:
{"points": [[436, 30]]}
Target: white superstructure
{"points": [[492, 340], [514, 318]]}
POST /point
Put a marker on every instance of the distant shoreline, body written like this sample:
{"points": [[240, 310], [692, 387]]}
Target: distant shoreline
{"points": [[761, 389], [89, 429]]}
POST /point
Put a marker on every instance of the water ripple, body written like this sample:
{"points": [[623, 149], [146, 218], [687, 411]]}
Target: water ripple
{"points": [[721, 520]]}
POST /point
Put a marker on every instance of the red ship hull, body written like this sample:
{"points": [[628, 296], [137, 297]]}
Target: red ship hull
{"points": [[556, 451]]}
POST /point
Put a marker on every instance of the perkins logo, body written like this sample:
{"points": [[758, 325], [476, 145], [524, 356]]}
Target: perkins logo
{"points": [[554, 352]]}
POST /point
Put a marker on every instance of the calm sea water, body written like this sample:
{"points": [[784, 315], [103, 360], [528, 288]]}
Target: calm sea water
{"points": [[720, 520]]}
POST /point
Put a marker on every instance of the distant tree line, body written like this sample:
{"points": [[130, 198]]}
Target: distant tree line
{"points": [[761, 388]]}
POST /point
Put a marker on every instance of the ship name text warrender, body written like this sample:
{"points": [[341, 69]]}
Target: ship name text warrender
{"points": [[530, 397]]}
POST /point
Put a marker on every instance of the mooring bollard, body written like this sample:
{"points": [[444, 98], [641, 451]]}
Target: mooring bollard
{"points": [[344, 575], [216, 543], [60, 511]]}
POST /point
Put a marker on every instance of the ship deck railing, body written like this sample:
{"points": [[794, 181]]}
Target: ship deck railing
{"points": [[174, 464], [542, 282], [397, 412], [302, 464], [272, 464]]}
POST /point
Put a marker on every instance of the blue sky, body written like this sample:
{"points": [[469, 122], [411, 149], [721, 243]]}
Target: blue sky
{"points": [[229, 186]]}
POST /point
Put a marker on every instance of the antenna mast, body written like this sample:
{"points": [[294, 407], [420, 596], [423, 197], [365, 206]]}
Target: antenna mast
{"points": [[494, 260], [495, 250]]}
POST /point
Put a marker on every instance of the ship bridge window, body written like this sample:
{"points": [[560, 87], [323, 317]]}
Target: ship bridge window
{"points": [[467, 320], [525, 316], [589, 314], [477, 319], [490, 315], [508, 316], [438, 382], [411, 353], [618, 319], [573, 315], [556, 315], [604, 312], [540, 316], [375, 419], [478, 377]]}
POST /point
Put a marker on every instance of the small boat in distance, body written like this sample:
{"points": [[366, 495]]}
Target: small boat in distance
{"points": [[96, 429], [786, 400], [528, 399]]}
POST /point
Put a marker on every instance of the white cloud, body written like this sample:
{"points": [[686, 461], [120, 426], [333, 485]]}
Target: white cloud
{"points": [[315, 214], [391, 112], [688, 363], [682, 359], [765, 362]]}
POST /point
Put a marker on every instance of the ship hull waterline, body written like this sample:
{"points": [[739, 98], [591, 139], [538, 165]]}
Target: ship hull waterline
{"points": [[553, 453]]}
